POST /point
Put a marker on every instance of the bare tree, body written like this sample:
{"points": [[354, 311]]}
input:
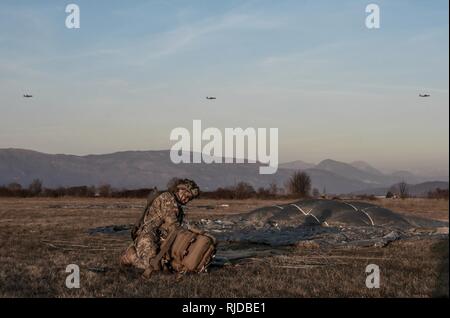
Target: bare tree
{"points": [[403, 190], [104, 190], [35, 187], [300, 184], [244, 190], [14, 186], [438, 194], [315, 192], [273, 188]]}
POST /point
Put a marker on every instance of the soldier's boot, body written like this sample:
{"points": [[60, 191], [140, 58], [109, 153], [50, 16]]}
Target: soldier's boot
{"points": [[147, 273], [154, 266], [130, 258]]}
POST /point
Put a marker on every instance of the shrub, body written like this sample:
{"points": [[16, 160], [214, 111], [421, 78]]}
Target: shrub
{"points": [[300, 184]]}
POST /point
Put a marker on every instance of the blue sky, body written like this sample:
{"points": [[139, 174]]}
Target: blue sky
{"points": [[135, 70]]}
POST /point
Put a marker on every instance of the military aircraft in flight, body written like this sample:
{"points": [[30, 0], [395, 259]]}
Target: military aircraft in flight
{"points": [[210, 97], [424, 95], [27, 96]]}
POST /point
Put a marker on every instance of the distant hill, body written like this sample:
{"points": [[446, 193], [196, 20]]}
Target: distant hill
{"points": [[138, 169], [420, 189], [297, 165], [326, 181], [407, 177], [362, 173], [351, 172], [371, 176], [364, 166], [128, 169]]}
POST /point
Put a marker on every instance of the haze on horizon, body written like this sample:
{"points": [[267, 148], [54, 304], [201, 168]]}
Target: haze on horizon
{"points": [[133, 72]]}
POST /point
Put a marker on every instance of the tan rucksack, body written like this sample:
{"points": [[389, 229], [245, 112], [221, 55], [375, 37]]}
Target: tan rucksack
{"points": [[184, 251], [191, 252]]}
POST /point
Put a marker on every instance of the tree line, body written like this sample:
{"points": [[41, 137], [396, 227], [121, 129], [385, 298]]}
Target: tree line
{"points": [[298, 185], [36, 189]]}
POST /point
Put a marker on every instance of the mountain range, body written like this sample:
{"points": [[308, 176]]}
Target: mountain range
{"points": [[142, 169], [420, 189]]}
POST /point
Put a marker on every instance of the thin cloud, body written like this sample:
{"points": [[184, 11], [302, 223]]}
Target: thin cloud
{"points": [[171, 42]]}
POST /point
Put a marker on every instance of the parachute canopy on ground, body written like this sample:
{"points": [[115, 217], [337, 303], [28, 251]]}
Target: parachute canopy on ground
{"points": [[328, 221], [326, 213]]}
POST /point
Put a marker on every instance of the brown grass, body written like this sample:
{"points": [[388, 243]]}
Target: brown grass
{"points": [[40, 237]]}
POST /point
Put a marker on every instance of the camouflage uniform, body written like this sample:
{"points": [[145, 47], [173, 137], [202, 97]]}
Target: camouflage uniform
{"points": [[164, 216]]}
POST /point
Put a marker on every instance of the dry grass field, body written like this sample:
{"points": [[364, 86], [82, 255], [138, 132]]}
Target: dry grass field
{"points": [[39, 237]]}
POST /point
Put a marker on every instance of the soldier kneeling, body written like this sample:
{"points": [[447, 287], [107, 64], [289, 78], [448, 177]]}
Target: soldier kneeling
{"points": [[159, 238]]}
